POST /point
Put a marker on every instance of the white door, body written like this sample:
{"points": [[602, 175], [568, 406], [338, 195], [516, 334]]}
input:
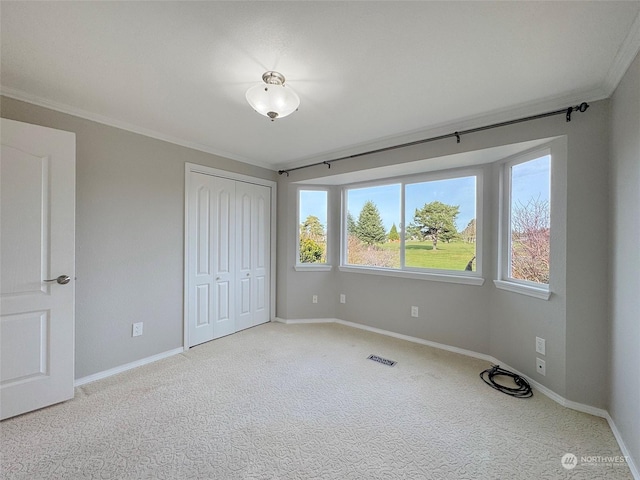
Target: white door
{"points": [[228, 256], [37, 225], [253, 244], [211, 213]]}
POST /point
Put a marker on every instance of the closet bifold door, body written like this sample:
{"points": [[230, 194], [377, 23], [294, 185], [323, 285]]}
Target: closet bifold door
{"points": [[228, 256], [253, 214], [211, 257]]}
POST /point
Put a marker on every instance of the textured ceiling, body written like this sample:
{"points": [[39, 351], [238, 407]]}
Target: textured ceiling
{"points": [[368, 73]]}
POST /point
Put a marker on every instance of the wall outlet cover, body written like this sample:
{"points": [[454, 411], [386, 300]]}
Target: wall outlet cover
{"points": [[541, 366], [540, 345], [137, 329], [343, 298], [414, 312]]}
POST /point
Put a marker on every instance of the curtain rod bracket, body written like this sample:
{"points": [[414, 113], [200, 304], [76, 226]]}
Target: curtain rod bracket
{"points": [[280, 172], [569, 110], [457, 137], [578, 108], [327, 164]]}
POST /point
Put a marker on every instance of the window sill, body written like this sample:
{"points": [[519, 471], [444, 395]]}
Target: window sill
{"points": [[436, 277], [542, 293], [313, 268]]}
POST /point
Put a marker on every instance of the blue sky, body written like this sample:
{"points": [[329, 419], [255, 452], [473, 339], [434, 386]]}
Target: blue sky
{"points": [[529, 180], [313, 202], [457, 191]]}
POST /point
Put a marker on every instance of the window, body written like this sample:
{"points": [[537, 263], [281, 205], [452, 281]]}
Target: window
{"points": [[424, 226], [373, 217], [312, 227], [441, 224], [526, 221]]}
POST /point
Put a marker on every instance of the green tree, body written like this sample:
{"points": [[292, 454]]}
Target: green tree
{"points": [[369, 228], [393, 234], [312, 228], [351, 224], [312, 241], [436, 220], [469, 233]]}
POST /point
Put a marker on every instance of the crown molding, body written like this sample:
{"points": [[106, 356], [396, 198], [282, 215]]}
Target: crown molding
{"points": [[112, 122], [626, 54], [524, 109]]}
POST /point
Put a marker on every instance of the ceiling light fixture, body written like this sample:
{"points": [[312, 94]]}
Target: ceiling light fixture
{"points": [[275, 99]]}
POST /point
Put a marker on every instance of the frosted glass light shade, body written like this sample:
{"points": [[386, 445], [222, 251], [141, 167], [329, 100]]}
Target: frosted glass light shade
{"points": [[273, 100]]}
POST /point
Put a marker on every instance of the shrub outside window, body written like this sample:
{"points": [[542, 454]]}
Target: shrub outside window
{"points": [[312, 227]]}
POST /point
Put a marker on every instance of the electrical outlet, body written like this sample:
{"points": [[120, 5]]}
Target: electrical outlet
{"points": [[343, 298], [540, 345], [541, 366], [314, 299], [137, 329], [414, 312]]}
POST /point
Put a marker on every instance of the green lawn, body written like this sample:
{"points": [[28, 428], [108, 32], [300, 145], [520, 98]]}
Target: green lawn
{"points": [[448, 256]]}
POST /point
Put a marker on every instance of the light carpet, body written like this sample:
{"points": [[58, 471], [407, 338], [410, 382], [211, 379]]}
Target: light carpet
{"points": [[303, 402]]}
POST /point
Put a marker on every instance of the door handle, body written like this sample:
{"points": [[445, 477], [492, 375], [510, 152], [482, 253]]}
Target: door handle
{"points": [[62, 279]]}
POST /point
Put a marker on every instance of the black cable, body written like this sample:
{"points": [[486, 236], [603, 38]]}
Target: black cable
{"points": [[522, 391]]}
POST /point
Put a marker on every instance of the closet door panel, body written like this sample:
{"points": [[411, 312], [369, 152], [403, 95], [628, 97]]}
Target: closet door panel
{"points": [[200, 281], [262, 248], [223, 259], [244, 233]]}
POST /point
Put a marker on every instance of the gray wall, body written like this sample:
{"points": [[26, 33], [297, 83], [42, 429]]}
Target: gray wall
{"points": [[482, 318], [129, 236], [624, 405], [516, 319]]}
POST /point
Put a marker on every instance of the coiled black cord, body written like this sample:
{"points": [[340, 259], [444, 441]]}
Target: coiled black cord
{"points": [[522, 391]]}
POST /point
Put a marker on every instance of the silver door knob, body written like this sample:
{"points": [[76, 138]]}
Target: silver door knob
{"points": [[62, 279], [248, 274]]}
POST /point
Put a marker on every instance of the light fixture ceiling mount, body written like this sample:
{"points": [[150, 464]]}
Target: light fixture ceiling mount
{"points": [[273, 99]]}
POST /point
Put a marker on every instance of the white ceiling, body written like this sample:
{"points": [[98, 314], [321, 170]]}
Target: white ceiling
{"points": [[368, 73]]}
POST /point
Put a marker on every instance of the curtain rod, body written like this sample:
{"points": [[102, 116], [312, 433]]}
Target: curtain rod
{"points": [[567, 111]]}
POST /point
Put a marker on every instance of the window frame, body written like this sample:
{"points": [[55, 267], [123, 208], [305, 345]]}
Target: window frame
{"points": [[504, 280], [310, 267], [449, 276]]}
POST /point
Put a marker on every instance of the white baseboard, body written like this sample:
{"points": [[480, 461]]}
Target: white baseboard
{"points": [[306, 320], [598, 412], [123, 368], [635, 471], [421, 341]]}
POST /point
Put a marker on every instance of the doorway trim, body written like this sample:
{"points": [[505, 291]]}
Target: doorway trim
{"points": [[215, 172]]}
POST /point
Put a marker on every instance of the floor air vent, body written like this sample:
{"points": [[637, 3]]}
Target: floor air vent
{"points": [[381, 360]]}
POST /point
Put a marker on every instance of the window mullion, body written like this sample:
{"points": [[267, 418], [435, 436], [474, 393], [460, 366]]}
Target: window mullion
{"points": [[403, 220]]}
